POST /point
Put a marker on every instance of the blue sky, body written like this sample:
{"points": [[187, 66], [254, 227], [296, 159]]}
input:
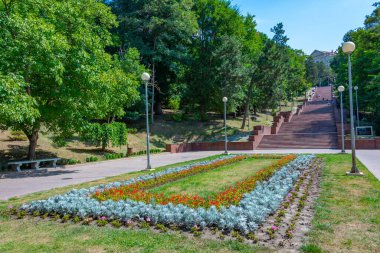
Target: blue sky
{"points": [[310, 24]]}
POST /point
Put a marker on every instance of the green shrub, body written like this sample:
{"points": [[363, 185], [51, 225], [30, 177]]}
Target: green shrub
{"points": [[174, 102], [72, 161], [178, 117], [200, 117], [132, 116]]}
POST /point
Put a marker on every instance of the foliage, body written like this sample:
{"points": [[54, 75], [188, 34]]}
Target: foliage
{"points": [[55, 70], [161, 31], [217, 67], [174, 102], [318, 73], [91, 159], [178, 117], [104, 134], [365, 67], [143, 152]]}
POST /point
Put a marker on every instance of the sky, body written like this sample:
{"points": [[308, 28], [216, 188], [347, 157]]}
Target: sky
{"points": [[309, 24]]}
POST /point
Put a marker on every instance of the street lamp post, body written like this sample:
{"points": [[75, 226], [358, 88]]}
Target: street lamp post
{"points": [[348, 48], [341, 90], [357, 105], [225, 125], [146, 77]]}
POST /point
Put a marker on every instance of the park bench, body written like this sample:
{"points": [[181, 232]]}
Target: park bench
{"points": [[35, 163]]}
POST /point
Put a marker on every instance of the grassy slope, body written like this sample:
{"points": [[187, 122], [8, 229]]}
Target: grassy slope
{"points": [[214, 181], [162, 132], [347, 215], [48, 236]]}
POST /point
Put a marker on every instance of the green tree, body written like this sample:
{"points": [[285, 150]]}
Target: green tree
{"points": [[161, 30], [252, 48], [365, 66], [217, 67], [54, 71], [103, 135]]}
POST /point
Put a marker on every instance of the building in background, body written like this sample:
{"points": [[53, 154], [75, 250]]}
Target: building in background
{"points": [[323, 56]]}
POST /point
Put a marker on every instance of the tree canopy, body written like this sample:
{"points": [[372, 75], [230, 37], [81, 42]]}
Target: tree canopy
{"points": [[71, 66], [365, 66], [55, 68]]}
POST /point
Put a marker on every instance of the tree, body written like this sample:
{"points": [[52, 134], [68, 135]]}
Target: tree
{"points": [[55, 69], [103, 135], [279, 34], [161, 30], [273, 69], [252, 47], [216, 49], [365, 66]]}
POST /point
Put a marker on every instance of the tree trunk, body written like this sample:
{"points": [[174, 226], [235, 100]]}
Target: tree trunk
{"points": [[159, 104], [153, 86], [246, 110], [33, 138], [245, 115]]}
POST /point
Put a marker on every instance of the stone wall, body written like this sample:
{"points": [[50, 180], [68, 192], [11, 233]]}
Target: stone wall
{"points": [[372, 143], [209, 146]]}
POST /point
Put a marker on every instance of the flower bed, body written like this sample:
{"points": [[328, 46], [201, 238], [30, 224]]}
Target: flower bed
{"points": [[230, 196], [245, 217]]}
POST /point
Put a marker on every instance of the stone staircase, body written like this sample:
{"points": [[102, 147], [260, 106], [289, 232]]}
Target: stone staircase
{"points": [[314, 128]]}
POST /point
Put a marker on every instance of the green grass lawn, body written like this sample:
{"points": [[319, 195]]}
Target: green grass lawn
{"points": [[347, 217], [214, 181]]}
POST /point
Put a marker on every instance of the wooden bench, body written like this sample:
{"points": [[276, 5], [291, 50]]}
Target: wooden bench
{"points": [[35, 163]]}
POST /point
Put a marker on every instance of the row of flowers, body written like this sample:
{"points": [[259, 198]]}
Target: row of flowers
{"points": [[244, 217], [230, 196]]}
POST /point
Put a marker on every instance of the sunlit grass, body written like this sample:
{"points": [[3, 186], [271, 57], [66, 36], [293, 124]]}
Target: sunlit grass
{"points": [[216, 180], [347, 217]]}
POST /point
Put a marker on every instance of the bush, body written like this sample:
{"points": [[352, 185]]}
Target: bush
{"points": [[132, 116], [174, 102], [91, 159], [200, 117], [178, 117], [72, 161]]}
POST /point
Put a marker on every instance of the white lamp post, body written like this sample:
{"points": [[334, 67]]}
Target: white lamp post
{"points": [[357, 105], [348, 48], [146, 77], [225, 99], [341, 90]]}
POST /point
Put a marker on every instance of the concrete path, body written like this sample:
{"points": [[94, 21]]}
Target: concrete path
{"points": [[371, 159], [70, 175]]}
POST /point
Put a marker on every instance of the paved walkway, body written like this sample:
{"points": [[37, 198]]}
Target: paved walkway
{"points": [[19, 186], [371, 159]]}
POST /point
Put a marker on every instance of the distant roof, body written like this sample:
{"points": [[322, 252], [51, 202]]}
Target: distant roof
{"points": [[327, 53]]}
